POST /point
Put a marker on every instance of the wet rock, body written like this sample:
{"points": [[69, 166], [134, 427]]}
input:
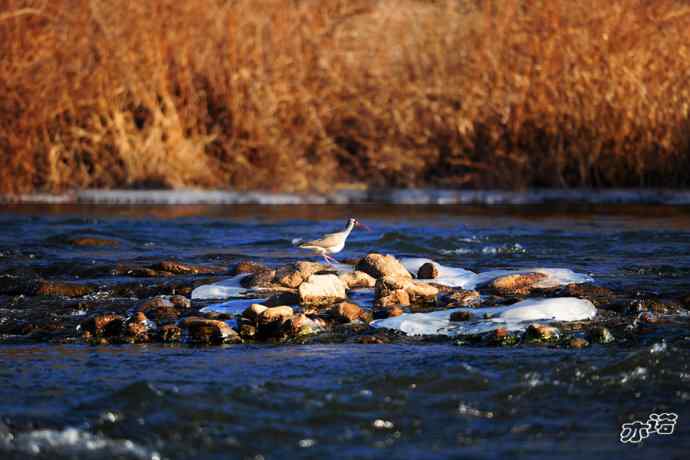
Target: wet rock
{"points": [[596, 294], [104, 324], [427, 271], [500, 337], [181, 302], [17, 285], [346, 312], [253, 312], [600, 335], [263, 278], [458, 298], [541, 333], [207, 331], [520, 284], [578, 342], [247, 331], [138, 327], [271, 322], [138, 272], [357, 279], [387, 312], [393, 299], [378, 266], [418, 291], [170, 333], [299, 325], [247, 266], [162, 309], [293, 275], [322, 290], [179, 268], [461, 316], [90, 241], [58, 289], [372, 339], [282, 298]]}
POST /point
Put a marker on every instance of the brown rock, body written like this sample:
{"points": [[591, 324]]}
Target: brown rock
{"points": [[137, 327], [170, 333], [258, 279], [357, 279], [247, 331], [346, 312], [378, 266], [541, 332], [207, 331], [181, 302], [460, 298], [105, 324], [274, 314], [57, 289], [372, 339], [577, 342], [160, 309], [282, 298], [387, 312], [418, 291], [180, 268], [394, 298], [247, 266], [293, 275], [322, 290], [596, 294], [253, 312], [600, 335], [427, 271], [461, 316], [88, 241], [520, 284]]}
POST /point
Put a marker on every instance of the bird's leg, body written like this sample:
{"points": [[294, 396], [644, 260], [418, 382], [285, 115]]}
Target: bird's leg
{"points": [[329, 259]]}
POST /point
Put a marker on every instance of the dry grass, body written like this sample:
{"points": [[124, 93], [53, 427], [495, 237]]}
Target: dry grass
{"points": [[307, 94]]}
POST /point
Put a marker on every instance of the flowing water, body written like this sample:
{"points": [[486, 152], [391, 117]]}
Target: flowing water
{"points": [[399, 400]]}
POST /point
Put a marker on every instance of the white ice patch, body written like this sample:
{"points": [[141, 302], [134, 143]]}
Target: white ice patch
{"points": [[232, 307], [465, 279], [72, 442], [515, 317], [221, 290]]}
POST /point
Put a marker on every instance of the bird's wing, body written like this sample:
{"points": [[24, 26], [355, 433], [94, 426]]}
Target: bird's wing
{"points": [[331, 239]]}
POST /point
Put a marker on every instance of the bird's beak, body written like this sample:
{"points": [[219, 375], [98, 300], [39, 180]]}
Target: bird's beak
{"points": [[361, 225]]}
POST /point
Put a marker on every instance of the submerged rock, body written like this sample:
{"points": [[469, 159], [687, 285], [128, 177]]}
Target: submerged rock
{"points": [[541, 333], [207, 331], [179, 268], [293, 275], [322, 290], [357, 279], [600, 335], [428, 271], [58, 289], [378, 266], [90, 241], [578, 342], [102, 325]]}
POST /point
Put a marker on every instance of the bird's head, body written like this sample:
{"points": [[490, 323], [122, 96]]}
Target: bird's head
{"points": [[357, 224]]}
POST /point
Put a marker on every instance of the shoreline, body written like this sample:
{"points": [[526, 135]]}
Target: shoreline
{"points": [[420, 196]]}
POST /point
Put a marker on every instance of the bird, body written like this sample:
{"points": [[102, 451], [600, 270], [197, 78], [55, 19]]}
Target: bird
{"points": [[332, 243]]}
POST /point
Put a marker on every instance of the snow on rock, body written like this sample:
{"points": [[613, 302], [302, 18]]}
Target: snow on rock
{"points": [[515, 317], [459, 277], [232, 307], [221, 290]]}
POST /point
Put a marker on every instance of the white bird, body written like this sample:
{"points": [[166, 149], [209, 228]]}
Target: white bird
{"points": [[332, 243]]}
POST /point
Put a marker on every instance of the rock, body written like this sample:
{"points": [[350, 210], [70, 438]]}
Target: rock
{"points": [[394, 298], [57, 289], [247, 266], [461, 316], [247, 331], [500, 337], [357, 279], [346, 312], [104, 324], [520, 284], [271, 322], [600, 335], [181, 302], [578, 342], [459, 298], [378, 266], [596, 294], [170, 333], [253, 312], [322, 290], [258, 279], [541, 333], [160, 308], [418, 291], [137, 327], [372, 339], [180, 268], [387, 312], [427, 271], [293, 275], [207, 331], [88, 241], [282, 298], [685, 301]]}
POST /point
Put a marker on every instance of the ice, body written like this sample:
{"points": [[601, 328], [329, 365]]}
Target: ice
{"points": [[515, 317], [221, 290], [232, 307], [465, 279]]}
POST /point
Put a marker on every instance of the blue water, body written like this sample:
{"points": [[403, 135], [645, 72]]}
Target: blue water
{"points": [[346, 400]]}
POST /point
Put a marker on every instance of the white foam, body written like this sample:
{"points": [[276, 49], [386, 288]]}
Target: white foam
{"points": [[220, 290], [515, 317], [465, 279], [232, 307]]}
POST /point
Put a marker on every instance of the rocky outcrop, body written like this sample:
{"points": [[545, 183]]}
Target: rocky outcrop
{"points": [[322, 290], [357, 279], [378, 266]]}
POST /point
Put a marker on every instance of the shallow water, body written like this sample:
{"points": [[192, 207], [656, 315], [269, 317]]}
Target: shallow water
{"points": [[353, 401]]}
